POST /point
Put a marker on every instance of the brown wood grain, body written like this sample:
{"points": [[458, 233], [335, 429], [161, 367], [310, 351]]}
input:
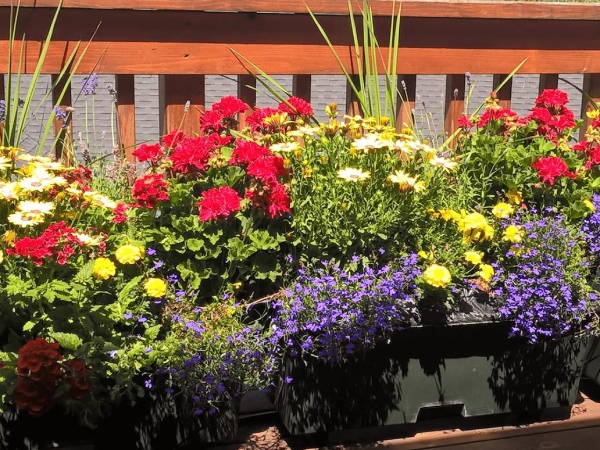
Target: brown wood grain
{"points": [[454, 101], [504, 94], [591, 86], [175, 92], [548, 81], [2, 97], [125, 87], [301, 86], [247, 93], [486, 9], [352, 103], [407, 88]]}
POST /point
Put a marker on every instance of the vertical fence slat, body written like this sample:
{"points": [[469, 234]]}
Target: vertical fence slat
{"points": [[407, 88], [2, 97], [62, 129], [504, 94], [548, 81], [246, 83], [175, 92], [352, 104], [125, 87], [301, 86], [591, 86], [454, 101]]}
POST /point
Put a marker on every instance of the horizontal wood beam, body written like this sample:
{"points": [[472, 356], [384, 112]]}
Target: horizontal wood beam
{"points": [[487, 9]]}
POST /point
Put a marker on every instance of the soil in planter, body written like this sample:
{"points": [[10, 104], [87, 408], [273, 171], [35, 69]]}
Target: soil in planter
{"points": [[467, 370]]}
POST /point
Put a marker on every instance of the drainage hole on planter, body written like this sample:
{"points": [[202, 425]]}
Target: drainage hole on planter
{"points": [[440, 412]]}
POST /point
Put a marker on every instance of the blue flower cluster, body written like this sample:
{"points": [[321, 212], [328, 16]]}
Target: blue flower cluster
{"points": [[540, 283], [2, 110], [331, 311], [89, 84], [591, 229]]}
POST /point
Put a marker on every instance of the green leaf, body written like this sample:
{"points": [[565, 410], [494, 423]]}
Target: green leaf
{"points": [[28, 325], [69, 341], [152, 332], [195, 244]]}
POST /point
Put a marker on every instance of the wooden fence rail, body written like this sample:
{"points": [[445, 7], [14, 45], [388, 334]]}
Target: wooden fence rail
{"points": [[184, 40]]}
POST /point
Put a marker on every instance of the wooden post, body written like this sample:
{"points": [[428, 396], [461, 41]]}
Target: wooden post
{"points": [[548, 81], [125, 87], [246, 83], [454, 101], [505, 93], [63, 129], [301, 86], [175, 93], [2, 97], [591, 86], [352, 103], [407, 89]]}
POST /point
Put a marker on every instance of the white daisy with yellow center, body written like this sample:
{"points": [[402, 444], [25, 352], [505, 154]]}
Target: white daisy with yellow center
{"points": [[100, 200], [285, 147], [405, 182], [444, 163], [25, 220], [35, 208], [9, 191], [352, 174]]}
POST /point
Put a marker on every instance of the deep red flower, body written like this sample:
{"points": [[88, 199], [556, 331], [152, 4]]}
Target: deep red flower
{"points": [[218, 141], [596, 123], [173, 138], [496, 114], [76, 374], [246, 152], [552, 98], [278, 200], [81, 176], [267, 169], [582, 146], [298, 107], [149, 190], [218, 202], [593, 158], [256, 120], [33, 396], [551, 167], [147, 152], [120, 213], [192, 154], [230, 106], [37, 358], [211, 120], [55, 240], [465, 121]]}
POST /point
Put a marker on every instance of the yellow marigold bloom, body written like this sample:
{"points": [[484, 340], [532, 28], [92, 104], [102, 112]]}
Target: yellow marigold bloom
{"points": [[155, 287], [405, 182], [450, 215], [103, 269], [486, 272], [515, 197], [351, 174], [513, 233], [129, 254], [437, 275], [473, 257], [589, 205], [475, 227], [503, 210]]}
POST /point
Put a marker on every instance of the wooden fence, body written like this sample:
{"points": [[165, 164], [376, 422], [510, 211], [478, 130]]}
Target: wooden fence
{"points": [[184, 40]]}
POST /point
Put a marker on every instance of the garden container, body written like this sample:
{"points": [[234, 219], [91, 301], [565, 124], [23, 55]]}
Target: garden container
{"points": [[591, 369], [430, 372]]}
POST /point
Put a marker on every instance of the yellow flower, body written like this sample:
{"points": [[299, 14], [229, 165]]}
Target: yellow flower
{"points": [[129, 254], [515, 197], [25, 220], [40, 180], [513, 233], [5, 162], [284, 147], [9, 191], [350, 174], [405, 182], [10, 236], [486, 272], [503, 210], [1, 256], [372, 142], [450, 214], [307, 172], [475, 227], [155, 287], [589, 205], [437, 275], [425, 255], [473, 257], [35, 208], [103, 269], [100, 200]]}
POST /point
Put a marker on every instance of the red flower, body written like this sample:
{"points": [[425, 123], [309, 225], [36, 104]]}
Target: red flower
{"points": [[246, 152], [256, 120], [192, 154], [267, 169], [82, 176], [496, 114], [298, 107], [464, 121], [149, 190], [77, 377], [551, 167], [47, 244], [37, 356], [173, 139], [218, 141], [147, 152], [35, 248], [218, 202], [552, 98], [120, 213], [211, 120], [593, 158], [582, 146], [32, 396], [278, 200], [230, 106]]}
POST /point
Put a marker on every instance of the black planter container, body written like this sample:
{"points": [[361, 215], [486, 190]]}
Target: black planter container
{"points": [[429, 372], [591, 369]]}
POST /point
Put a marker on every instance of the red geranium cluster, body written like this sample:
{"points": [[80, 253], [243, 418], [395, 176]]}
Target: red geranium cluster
{"points": [[222, 114], [173, 138], [296, 106], [146, 152], [551, 114], [218, 202], [551, 167], [120, 213], [192, 154], [149, 190], [57, 240], [256, 120], [504, 114], [40, 372]]}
